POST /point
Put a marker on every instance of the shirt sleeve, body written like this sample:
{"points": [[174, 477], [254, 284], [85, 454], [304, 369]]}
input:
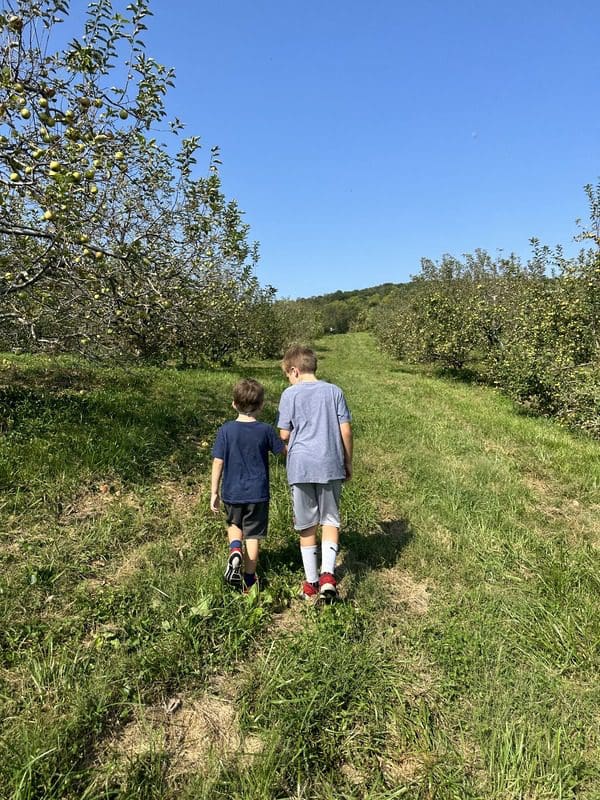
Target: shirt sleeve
{"points": [[284, 421], [218, 450], [342, 409]]}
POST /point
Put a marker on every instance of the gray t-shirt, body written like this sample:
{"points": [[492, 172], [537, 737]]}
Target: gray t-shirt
{"points": [[313, 412]]}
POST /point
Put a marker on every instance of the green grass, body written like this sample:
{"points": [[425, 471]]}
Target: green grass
{"points": [[461, 663]]}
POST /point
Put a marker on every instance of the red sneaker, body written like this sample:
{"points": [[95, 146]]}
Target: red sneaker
{"points": [[327, 587], [309, 591]]}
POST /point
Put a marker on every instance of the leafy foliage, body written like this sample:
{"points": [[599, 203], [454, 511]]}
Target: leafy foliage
{"points": [[108, 243]]}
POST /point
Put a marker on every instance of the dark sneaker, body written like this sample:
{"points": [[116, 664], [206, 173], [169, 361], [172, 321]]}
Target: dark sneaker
{"points": [[327, 587], [233, 571], [309, 591]]}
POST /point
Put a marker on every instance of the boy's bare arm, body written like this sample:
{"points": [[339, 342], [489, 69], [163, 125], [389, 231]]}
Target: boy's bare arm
{"points": [[346, 431], [215, 481]]}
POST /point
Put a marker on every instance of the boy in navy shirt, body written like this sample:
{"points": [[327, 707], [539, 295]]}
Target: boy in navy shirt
{"points": [[241, 459]]}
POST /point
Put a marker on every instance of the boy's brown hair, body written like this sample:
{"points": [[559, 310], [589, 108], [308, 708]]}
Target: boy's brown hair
{"points": [[248, 395], [301, 357]]}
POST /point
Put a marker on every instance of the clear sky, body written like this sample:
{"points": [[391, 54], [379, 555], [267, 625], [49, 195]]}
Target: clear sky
{"points": [[359, 137]]}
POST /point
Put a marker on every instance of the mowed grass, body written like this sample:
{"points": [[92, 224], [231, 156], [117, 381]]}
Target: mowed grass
{"points": [[461, 662]]}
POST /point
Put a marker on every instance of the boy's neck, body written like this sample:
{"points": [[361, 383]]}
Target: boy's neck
{"points": [[306, 377], [245, 418]]}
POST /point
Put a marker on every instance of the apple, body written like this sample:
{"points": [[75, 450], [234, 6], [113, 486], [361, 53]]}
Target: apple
{"points": [[119, 155], [16, 24], [14, 176], [54, 165], [25, 113], [48, 214]]}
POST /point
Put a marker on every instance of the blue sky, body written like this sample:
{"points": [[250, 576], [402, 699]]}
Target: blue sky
{"points": [[359, 137]]}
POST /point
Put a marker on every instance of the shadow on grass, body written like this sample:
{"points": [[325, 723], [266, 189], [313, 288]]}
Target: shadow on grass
{"points": [[129, 428], [378, 549]]}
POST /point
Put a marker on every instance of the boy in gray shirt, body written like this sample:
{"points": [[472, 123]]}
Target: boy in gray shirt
{"points": [[314, 421]]}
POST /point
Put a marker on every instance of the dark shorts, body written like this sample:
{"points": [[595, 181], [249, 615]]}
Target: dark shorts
{"points": [[251, 518]]}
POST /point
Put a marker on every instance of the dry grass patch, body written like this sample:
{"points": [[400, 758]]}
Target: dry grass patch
{"points": [[96, 501], [195, 733], [402, 768], [184, 498], [581, 522], [403, 591]]}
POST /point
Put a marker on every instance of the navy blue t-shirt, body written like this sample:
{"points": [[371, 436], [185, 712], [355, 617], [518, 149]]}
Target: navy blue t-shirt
{"points": [[244, 448]]}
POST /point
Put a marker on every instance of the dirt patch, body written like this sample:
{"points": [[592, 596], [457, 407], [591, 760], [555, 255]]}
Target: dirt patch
{"points": [[194, 733]]}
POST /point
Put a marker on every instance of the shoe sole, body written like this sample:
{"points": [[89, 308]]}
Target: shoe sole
{"points": [[328, 593], [233, 572]]}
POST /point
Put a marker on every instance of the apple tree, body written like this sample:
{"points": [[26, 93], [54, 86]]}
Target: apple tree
{"points": [[109, 243]]}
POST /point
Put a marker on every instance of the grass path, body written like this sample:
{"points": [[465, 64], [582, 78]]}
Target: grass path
{"points": [[461, 663]]}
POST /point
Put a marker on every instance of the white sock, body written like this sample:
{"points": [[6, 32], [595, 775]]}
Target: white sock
{"points": [[309, 560], [329, 552]]}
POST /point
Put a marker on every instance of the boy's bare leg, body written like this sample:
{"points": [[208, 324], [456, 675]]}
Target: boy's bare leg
{"points": [[251, 559], [308, 537], [234, 534], [331, 534]]}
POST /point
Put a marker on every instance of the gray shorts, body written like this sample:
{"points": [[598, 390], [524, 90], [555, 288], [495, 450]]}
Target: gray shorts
{"points": [[316, 504]]}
